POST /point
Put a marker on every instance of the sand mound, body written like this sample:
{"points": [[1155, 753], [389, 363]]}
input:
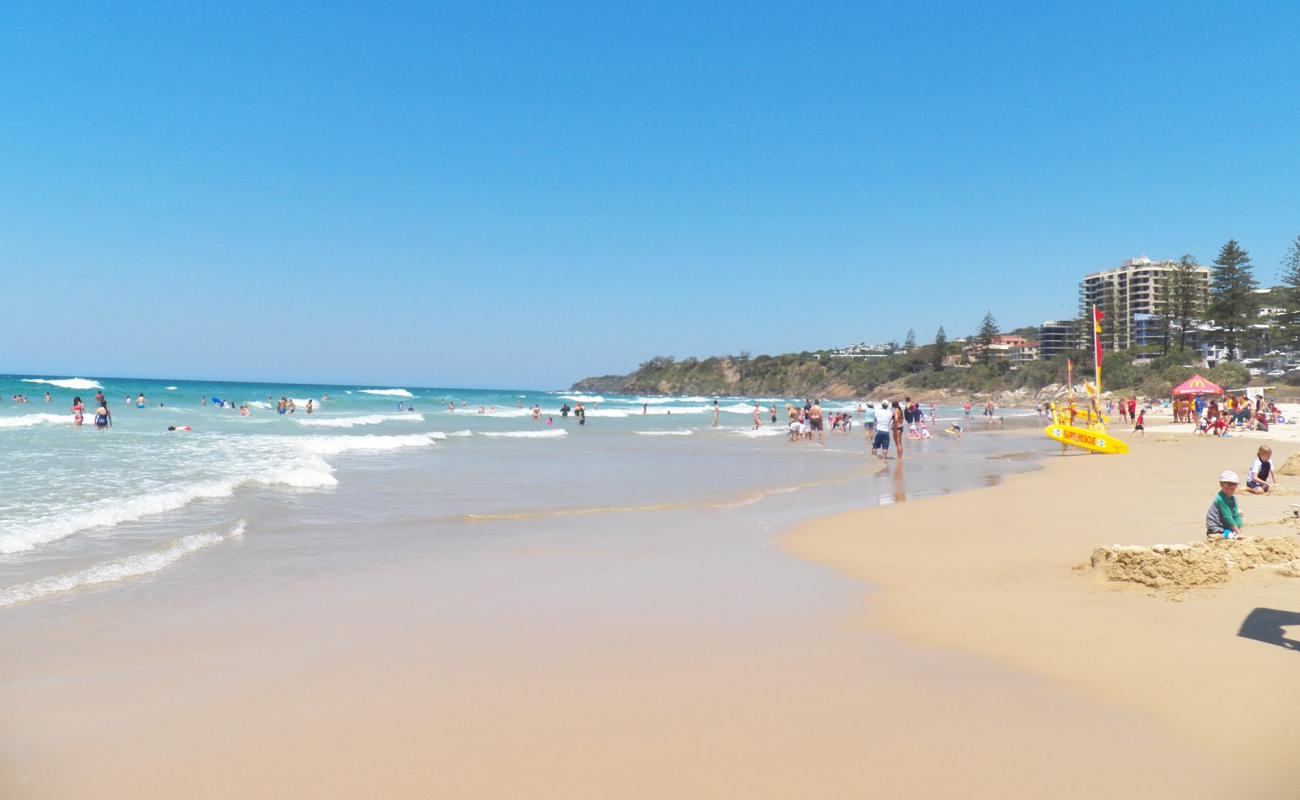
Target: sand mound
{"points": [[1291, 466], [1184, 566]]}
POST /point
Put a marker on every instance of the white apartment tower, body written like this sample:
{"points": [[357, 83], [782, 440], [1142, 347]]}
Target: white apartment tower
{"points": [[1130, 296]]}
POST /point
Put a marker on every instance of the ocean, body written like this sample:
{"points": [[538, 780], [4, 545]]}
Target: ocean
{"points": [[87, 513]]}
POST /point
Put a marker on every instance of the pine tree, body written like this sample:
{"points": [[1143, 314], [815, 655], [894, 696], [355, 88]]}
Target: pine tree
{"points": [[987, 333], [1291, 282], [1232, 298], [909, 344], [1187, 296], [940, 349]]}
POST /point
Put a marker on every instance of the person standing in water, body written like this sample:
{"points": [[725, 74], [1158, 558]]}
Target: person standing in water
{"points": [[715, 413], [309, 405], [774, 413], [103, 418], [896, 427], [758, 419], [78, 412], [815, 420]]}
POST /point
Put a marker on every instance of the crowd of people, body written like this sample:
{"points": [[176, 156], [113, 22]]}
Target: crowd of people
{"points": [[1237, 413]]}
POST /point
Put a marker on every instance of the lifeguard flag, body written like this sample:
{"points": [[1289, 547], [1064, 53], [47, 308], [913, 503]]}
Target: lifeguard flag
{"points": [[1097, 317]]}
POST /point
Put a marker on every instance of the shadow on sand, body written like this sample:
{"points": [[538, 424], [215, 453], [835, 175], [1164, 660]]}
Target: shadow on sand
{"points": [[1267, 625]]}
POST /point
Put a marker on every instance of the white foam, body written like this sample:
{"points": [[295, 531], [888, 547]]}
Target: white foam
{"points": [[583, 398], [761, 432], [171, 388], [333, 445], [661, 400], [258, 404], [28, 420], [117, 569], [66, 383], [599, 412], [388, 392], [547, 434], [440, 435], [296, 462], [682, 432], [352, 422]]}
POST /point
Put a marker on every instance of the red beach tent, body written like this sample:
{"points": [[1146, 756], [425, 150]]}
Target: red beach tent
{"points": [[1195, 386]]}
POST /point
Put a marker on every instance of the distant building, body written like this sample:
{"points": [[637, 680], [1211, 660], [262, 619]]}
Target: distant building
{"points": [[1133, 289], [1058, 336], [863, 350], [1015, 350]]}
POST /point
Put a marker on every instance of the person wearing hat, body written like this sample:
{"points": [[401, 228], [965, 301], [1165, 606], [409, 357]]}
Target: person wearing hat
{"points": [[1223, 520]]}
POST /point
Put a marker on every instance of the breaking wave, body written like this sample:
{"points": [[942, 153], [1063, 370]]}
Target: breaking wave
{"points": [[66, 383], [352, 422], [28, 420]]}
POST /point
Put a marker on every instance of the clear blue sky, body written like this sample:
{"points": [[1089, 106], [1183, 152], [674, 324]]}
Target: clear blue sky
{"points": [[522, 195]]}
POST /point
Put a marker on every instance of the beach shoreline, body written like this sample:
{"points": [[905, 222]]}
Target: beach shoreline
{"points": [[676, 651]]}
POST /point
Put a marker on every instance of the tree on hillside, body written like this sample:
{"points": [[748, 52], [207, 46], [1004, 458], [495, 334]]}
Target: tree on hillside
{"points": [[1232, 298], [1186, 297], [909, 344], [1291, 288], [940, 349], [984, 338]]}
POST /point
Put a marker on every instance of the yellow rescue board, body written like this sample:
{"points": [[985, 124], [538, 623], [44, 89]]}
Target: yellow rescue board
{"points": [[1094, 441]]}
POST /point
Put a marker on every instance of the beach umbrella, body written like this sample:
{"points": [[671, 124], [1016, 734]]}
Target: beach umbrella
{"points": [[1196, 386]]}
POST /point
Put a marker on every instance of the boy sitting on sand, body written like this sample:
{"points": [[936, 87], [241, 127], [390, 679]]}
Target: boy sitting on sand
{"points": [[1223, 520], [1262, 477]]}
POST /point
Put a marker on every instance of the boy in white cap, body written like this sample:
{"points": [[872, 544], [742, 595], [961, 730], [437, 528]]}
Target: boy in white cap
{"points": [[1223, 520]]}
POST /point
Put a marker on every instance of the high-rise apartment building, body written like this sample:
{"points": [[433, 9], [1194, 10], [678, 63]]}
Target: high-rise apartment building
{"points": [[1135, 289]]}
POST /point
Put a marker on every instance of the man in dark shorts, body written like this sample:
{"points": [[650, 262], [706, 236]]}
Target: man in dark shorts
{"points": [[880, 443], [815, 420]]}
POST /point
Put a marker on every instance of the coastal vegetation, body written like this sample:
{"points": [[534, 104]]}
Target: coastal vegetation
{"points": [[824, 374]]}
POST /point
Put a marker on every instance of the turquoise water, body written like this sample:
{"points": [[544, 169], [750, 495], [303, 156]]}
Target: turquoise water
{"points": [[82, 507]]}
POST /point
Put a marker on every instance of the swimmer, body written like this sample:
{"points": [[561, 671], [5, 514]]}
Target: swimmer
{"points": [[103, 419], [954, 429], [181, 429], [309, 405], [243, 410], [78, 412], [139, 401]]}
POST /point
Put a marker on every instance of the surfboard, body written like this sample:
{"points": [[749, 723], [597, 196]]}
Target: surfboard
{"points": [[1093, 441]]}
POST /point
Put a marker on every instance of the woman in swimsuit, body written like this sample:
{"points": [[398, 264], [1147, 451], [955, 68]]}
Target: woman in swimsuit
{"points": [[102, 418], [896, 425], [78, 412]]}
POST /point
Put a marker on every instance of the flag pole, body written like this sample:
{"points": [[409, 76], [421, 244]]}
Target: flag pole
{"points": [[1096, 355]]}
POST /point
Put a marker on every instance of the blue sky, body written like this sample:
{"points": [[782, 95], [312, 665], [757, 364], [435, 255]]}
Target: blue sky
{"points": [[523, 195]]}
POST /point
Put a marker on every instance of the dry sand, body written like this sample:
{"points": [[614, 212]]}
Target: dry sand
{"points": [[1007, 573]]}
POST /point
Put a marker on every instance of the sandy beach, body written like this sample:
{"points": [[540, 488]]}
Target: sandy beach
{"points": [[679, 653], [1005, 573]]}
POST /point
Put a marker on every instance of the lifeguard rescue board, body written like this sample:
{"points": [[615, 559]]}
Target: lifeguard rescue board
{"points": [[1093, 441]]}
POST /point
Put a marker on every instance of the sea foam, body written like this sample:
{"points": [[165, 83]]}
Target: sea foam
{"points": [[352, 422], [294, 462], [388, 392], [28, 420], [66, 383], [546, 434], [118, 569]]}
